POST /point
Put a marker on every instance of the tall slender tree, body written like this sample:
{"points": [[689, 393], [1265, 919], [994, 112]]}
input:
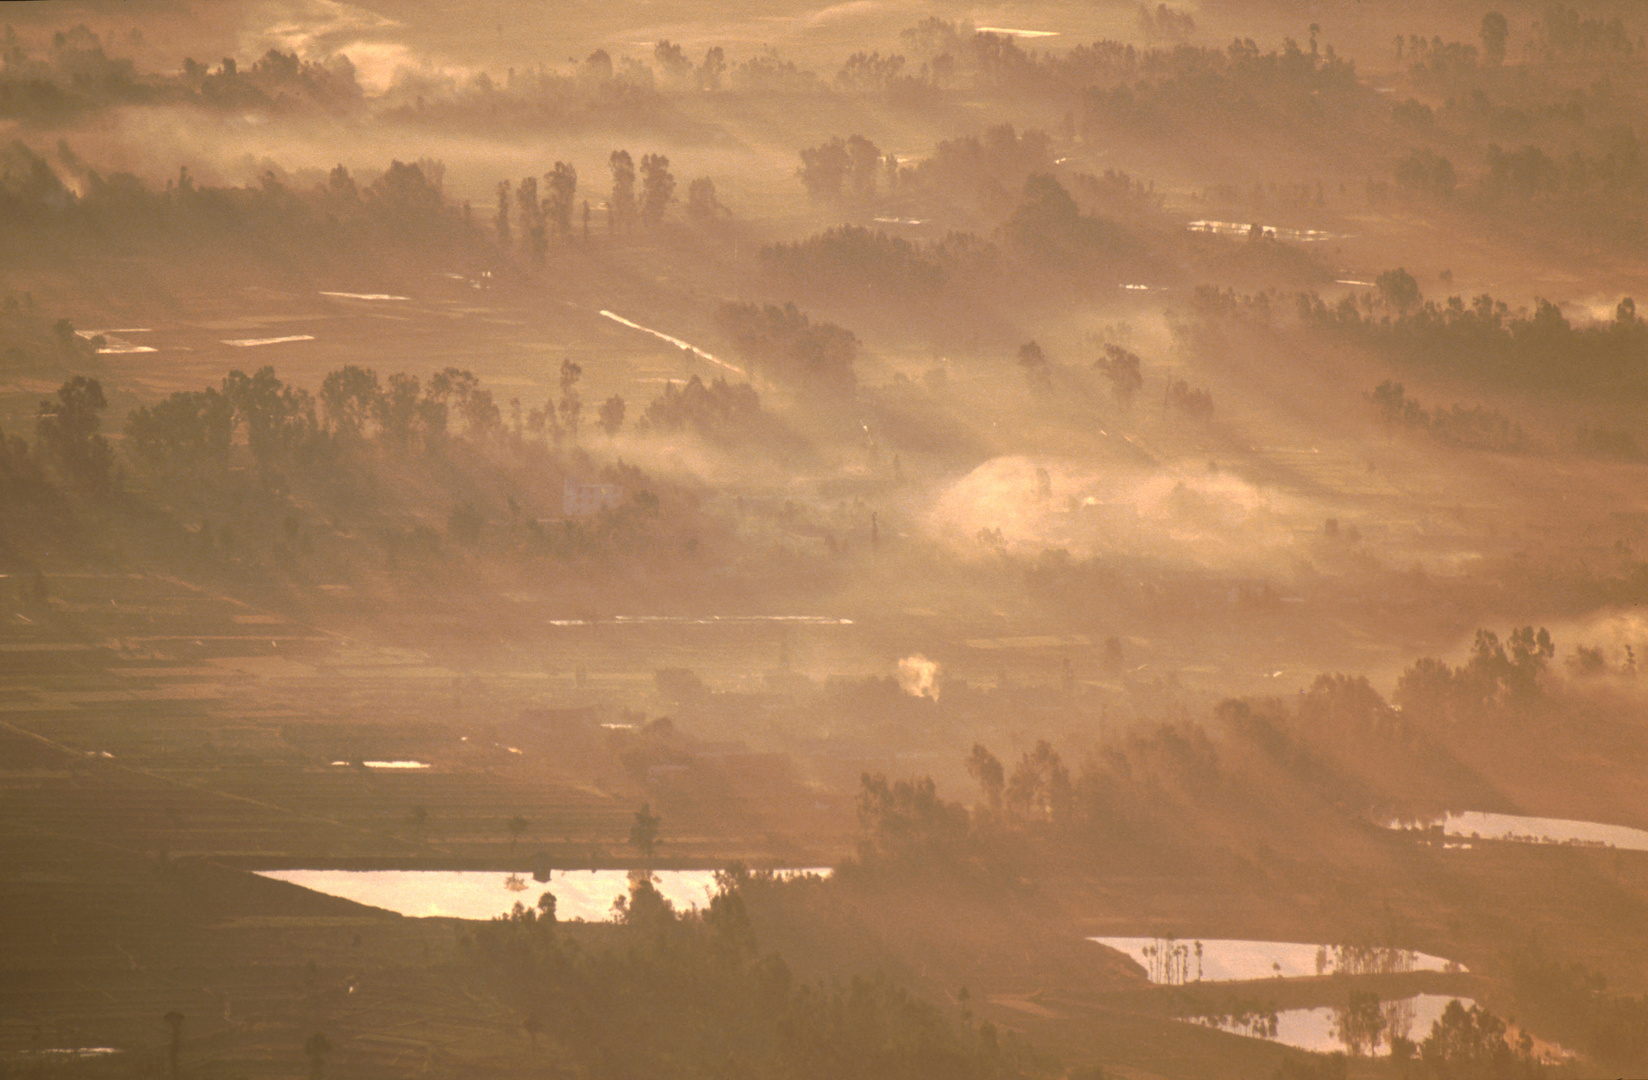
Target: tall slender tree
{"points": [[621, 204]]}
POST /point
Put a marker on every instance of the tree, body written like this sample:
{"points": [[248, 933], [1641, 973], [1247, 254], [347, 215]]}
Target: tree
{"points": [[1398, 290], [277, 417], [1494, 32], [1121, 367], [560, 189], [702, 206], [533, 237], [546, 907], [985, 767], [865, 159], [621, 203], [1427, 171], [643, 832], [824, 169], [657, 188], [1194, 403], [1046, 217], [791, 346], [612, 415], [190, 426], [673, 60], [712, 69], [397, 408], [906, 820], [517, 826], [1040, 785], [453, 387], [1034, 363], [350, 396], [1361, 1023], [1468, 1044], [571, 404], [66, 428], [1531, 652]]}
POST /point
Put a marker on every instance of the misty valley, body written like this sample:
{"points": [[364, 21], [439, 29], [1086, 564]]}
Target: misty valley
{"points": [[890, 539]]}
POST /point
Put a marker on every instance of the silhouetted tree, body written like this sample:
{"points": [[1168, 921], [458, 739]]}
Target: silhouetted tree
{"points": [[191, 426], [643, 831], [572, 405], [701, 202], [621, 203], [714, 67], [825, 168], [502, 220], [1426, 171], [672, 59], [865, 161], [397, 408], [278, 418], [657, 188], [560, 188], [1122, 368], [66, 429], [1398, 289], [1034, 364], [351, 396], [612, 415], [1470, 1044], [533, 236], [985, 767], [1040, 786]]}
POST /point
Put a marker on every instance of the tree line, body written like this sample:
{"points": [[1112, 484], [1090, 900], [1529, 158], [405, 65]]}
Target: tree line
{"points": [[669, 993]]}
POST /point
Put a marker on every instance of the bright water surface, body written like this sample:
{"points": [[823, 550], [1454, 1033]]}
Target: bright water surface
{"points": [[1281, 232], [1318, 1029], [1538, 830], [1225, 959], [485, 894]]}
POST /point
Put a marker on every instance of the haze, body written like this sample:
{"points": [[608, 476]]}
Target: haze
{"points": [[892, 539]]}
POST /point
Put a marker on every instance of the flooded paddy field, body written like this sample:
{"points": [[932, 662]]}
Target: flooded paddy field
{"points": [[1062, 568], [1518, 828], [580, 895]]}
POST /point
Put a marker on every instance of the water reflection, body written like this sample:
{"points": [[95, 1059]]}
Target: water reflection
{"points": [[1245, 228], [485, 894], [1533, 830], [1325, 1030], [702, 620], [1174, 962]]}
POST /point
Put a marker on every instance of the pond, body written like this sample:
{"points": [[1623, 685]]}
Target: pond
{"points": [[1242, 228], [247, 343], [1174, 961], [1324, 1030], [1014, 31], [1533, 830], [485, 894]]}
